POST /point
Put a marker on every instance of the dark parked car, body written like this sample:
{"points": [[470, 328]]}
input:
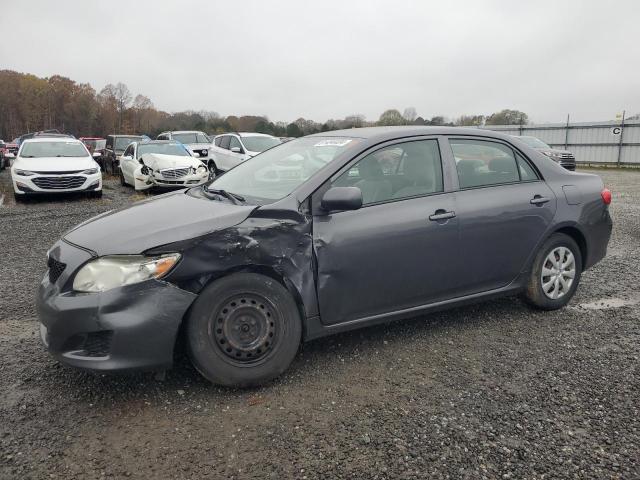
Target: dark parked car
{"points": [[114, 149], [316, 236], [565, 158]]}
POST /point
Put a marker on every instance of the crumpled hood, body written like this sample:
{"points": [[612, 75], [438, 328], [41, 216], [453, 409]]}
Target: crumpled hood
{"points": [[160, 161], [168, 218]]}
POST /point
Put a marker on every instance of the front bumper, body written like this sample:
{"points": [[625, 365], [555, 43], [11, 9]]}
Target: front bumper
{"points": [[127, 328], [155, 179], [56, 183]]}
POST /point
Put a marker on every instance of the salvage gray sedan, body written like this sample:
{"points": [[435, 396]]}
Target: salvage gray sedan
{"points": [[320, 235]]}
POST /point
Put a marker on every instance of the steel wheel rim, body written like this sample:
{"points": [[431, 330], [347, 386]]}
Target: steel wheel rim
{"points": [[244, 328], [212, 171], [558, 273]]}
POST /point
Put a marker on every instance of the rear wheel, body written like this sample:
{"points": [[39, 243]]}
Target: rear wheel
{"points": [[555, 274], [123, 182], [243, 330]]}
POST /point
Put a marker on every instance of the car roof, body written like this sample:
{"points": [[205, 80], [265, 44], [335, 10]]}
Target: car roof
{"points": [[246, 134], [123, 135], [41, 139], [381, 134], [154, 142], [182, 131]]}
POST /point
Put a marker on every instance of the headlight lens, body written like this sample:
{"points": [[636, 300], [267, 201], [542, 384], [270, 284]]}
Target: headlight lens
{"points": [[90, 171], [24, 173], [114, 271], [552, 154]]}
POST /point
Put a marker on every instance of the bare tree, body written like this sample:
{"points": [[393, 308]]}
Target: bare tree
{"points": [[123, 97], [410, 114]]}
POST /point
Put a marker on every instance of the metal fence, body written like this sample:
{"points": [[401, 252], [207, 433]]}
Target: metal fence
{"points": [[611, 143]]}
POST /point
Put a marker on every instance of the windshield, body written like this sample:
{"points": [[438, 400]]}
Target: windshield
{"points": [[163, 148], [260, 144], [123, 142], [193, 137], [276, 173], [534, 142], [53, 149], [95, 144]]}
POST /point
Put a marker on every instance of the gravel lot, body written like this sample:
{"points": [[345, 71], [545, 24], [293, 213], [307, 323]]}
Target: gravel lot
{"points": [[495, 390]]}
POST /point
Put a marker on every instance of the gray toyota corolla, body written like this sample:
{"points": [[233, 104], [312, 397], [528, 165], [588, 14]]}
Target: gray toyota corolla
{"points": [[320, 235]]}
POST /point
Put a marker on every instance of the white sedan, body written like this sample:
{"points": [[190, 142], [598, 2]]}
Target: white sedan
{"points": [[158, 163], [54, 165]]}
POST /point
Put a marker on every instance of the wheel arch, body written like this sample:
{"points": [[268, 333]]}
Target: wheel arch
{"points": [[265, 270], [577, 236]]}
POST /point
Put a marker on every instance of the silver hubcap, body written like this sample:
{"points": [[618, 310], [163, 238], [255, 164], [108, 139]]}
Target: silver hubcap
{"points": [[558, 272]]}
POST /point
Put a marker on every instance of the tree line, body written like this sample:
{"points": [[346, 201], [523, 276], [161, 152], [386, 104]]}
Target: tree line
{"points": [[29, 103]]}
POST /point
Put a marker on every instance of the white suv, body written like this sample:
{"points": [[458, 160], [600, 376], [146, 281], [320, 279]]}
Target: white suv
{"points": [[231, 149], [55, 165], [195, 141]]}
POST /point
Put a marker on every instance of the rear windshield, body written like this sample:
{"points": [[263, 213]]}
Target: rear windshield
{"points": [[194, 137], [123, 142], [53, 149]]}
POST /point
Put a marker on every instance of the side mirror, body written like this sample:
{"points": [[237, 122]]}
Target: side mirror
{"points": [[342, 198], [236, 150]]}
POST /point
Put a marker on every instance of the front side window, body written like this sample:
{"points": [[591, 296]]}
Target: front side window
{"points": [[276, 173], [224, 143], [129, 151], [396, 172], [482, 163], [217, 141], [53, 149]]}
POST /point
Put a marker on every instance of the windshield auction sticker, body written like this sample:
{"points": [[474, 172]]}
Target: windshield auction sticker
{"points": [[333, 142]]}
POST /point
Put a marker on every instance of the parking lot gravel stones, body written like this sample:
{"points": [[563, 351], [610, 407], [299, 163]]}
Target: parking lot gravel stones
{"points": [[494, 390]]}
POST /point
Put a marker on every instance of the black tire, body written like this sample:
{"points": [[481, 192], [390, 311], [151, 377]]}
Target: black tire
{"points": [[243, 330], [20, 198], [96, 194], [213, 170], [535, 294], [122, 180]]}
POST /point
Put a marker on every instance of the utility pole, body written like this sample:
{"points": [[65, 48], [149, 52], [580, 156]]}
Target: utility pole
{"points": [[620, 142], [566, 134]]}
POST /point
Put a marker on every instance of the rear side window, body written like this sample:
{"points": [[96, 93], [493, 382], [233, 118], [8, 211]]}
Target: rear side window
{"points": [[403, 170], [482, 163], [225, 142], [217, 141], [234, 142]]}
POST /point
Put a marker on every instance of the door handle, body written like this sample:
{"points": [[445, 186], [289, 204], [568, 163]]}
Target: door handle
{"points": [[539, 200], [441, 215]]}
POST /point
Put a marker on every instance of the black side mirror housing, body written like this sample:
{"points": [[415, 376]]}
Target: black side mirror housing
{"points": [[342, 198]]}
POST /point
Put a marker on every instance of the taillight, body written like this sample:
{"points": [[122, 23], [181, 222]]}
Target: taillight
{"points": [[606, 196]]}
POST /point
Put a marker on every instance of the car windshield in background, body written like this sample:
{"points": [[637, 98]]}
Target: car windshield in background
{"points": [[191, 138], [274, 174], [163, 148], [53, 149], [123, 142], [533, 142], [260, 144], [95, 144]]}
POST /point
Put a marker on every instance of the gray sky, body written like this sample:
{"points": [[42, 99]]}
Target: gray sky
{"points": [[328, 59]]}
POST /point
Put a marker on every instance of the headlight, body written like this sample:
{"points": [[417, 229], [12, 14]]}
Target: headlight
{"points": [[90, 171], [24, 173], [202, 170], [552, 154], [114, 271]]}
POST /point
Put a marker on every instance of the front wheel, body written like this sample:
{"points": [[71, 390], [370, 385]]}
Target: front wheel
{"points": [[555, 274], [213, 170], [243, 330]]}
